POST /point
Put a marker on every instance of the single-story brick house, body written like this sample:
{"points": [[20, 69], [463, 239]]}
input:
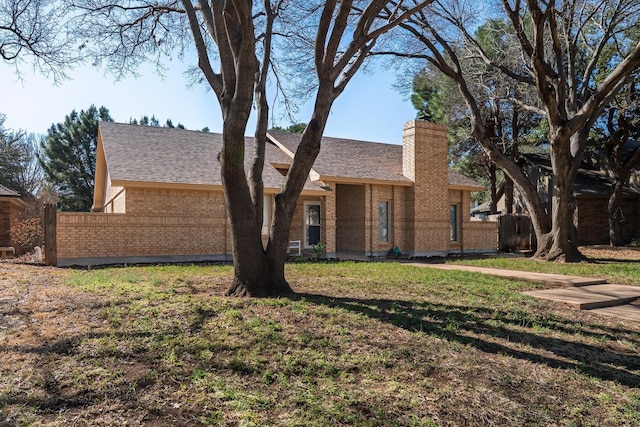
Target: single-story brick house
{"points": [[11, 206], [158, 197]]}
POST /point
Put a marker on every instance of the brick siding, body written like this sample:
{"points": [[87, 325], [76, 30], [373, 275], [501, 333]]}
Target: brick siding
{"points": [[593, 220], [350, 225], [5, 223], [425, 162], [480, 236], [9, 214], [160, 224]]}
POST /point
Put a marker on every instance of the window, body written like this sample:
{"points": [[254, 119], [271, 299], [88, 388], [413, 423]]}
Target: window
{"points": [[453, 223], [312, 224], [383, 222], [266, 214]]}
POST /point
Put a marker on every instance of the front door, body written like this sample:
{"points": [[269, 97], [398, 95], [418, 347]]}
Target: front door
{"points": [[311, 224]]}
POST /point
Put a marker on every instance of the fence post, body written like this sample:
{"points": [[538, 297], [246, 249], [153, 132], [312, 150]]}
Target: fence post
{"points": [[50, 244]]}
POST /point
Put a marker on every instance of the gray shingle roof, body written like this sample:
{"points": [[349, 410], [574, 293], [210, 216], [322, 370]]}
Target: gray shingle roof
{"points": [[348, 158], [175, 156], [352, 159], [456, 179], [5, 192]]}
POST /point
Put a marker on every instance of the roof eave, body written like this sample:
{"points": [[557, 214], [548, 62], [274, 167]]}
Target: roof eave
{"points": [[171, 185], [15, 200], [466, 187], [199, 187], [352, 180]]}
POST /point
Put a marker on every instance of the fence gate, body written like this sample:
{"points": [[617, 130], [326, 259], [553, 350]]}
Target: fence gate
{"points": [[515, 233], [50, 245]]}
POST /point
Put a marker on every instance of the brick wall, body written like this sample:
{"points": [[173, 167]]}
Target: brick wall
{"points": [[5, 223], [358, 219], [350, 217], [399, 234], [425, 162], [190, 203], [480, 236], [329, 220], [160, 225], [9, 214], [593, 220]]}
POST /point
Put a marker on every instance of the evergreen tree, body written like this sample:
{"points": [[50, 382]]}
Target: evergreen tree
{"points": [[69, 157], [10, 154], [154, 122], [293, 128]]}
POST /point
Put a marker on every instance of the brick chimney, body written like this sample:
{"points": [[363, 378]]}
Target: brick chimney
{"points": [[425, 162]]}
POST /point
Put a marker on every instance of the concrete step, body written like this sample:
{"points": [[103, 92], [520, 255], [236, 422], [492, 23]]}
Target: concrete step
{"points": [[590, 297], [626, 311], [553, 280]]}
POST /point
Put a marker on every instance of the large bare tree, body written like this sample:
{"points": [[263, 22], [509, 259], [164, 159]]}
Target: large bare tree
{"points": [[34, 32], [561, 45], [232, 39]]}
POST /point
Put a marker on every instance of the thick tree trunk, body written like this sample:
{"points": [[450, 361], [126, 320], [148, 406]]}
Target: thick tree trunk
{"points": [[286, 201], [559, 244], [508, 194], [252, 271], [493, 197]]}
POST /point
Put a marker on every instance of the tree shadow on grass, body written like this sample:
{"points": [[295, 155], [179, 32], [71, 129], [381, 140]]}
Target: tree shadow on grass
{"points": [[496, 332]]}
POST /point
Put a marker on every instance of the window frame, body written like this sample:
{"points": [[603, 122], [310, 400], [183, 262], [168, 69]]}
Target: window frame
{"points": [[381, 237], [454, 223]]}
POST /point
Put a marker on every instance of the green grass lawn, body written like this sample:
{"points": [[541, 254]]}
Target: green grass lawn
{"points": [[364, 344]]}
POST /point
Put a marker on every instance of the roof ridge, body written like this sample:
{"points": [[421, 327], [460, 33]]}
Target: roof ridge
{"points": [[162, 128], [338, 138]]}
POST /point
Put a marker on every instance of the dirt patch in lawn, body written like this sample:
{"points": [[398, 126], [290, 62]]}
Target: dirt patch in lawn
{"points": [[620, 253]]}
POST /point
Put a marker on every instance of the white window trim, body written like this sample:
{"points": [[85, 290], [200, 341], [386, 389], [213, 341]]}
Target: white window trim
{"points": [[304, 221], [267, 212]]}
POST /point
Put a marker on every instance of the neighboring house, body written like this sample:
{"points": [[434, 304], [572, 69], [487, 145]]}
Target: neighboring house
{"points": [[592, 189], [11, 206], [158, 197]]}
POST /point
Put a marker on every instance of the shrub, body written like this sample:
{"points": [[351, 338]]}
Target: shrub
{"points": [[27, 233]]}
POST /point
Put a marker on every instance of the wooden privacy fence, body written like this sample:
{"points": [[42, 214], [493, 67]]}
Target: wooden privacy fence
{"points": [[515, 233], [50, 244]]}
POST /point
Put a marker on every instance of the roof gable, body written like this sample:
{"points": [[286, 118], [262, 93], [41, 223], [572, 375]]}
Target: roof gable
{"points": [[168, 156]]}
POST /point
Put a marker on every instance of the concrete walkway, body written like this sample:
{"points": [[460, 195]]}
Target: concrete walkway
{"points": [[553, 280], [584, 293]]}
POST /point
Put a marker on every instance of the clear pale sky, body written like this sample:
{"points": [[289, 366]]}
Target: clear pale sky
{"points": [[369, 109]]}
